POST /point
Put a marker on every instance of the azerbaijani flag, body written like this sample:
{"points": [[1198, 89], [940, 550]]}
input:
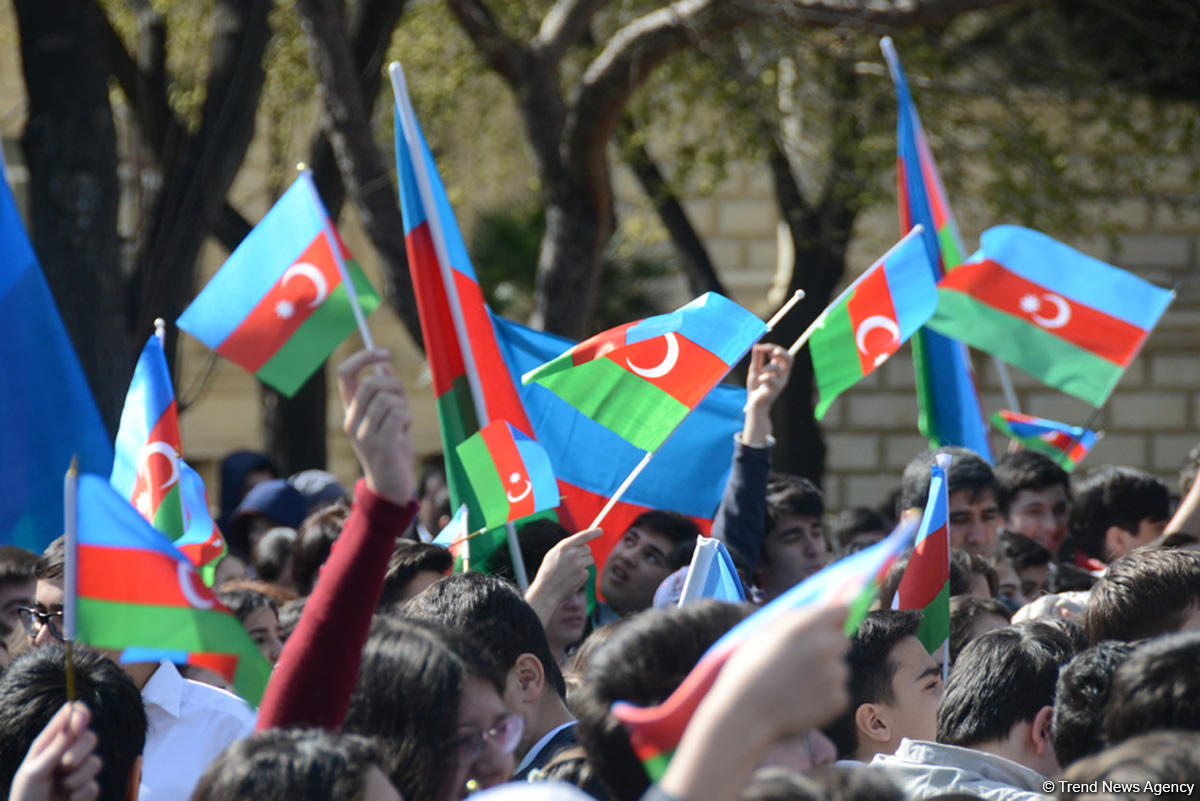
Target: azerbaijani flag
{"points": [[654, 732], [149, 470], [135, 591], [925, 584], [951, 413], [510, 473], [279, 305], [869, 321], [712, 574], [1072, 321], [1065, 444], [641, 379], [455, 538]]}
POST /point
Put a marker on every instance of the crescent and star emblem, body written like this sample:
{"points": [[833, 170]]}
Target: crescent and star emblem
{"points": [[186, 576], [870, 324], [663, 367], [166, 450], [513, 479], [1032, 304], [315, 277]]}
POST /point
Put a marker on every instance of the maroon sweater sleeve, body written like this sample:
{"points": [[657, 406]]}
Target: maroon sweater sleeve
{"points": [[312, 682]]}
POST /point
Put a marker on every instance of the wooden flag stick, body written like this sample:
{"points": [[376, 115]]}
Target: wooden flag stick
{"points": [[70, 524], [796, 297], [616, 496]]}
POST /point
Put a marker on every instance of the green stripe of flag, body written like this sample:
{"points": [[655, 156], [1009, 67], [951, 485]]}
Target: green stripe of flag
{"points": [[325, 329], [656, 766], [1053, 360], [168, 518], [834, 357], [116, 625], [457, 421], [489, 489], [629, 405], [923, 377], [935, 620]]}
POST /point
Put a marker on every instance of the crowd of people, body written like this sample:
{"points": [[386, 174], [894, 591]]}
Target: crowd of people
{"points": [[1070, 657]]}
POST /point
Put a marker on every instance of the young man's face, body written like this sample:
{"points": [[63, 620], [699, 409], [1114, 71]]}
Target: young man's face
{"points": [[974, 519], [1041, 515], [916, 690], [792, 551], [48, 599], [635, 567]]}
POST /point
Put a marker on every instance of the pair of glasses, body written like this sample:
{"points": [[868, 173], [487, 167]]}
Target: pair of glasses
{"points": [[33, 620], [504, 735]]}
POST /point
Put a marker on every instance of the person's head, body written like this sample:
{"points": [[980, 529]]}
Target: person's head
{"points": [[840, 782], [314, 541], [1083, 690], [271, 556], [642, 663], [43, 621], [974, 513], [1157, 758], [794, 545], [432, 701], [508, 632], [1034, 495], [1030, 562], [1156, 686], [319, 488], [1000, 695], [1145, 594], [259, 616], [1116, 509], [267, 505], [17, 582], [895, 686], [34, 688], [972, 616], [978, 573], [296, 765], [639, 560], [241, 471], [855, 528], [413, 566]]}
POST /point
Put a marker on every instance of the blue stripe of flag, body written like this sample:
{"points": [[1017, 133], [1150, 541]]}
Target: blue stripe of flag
{"points": [[712, 321], [150, 394], [911, 285], [722, 582], [107, 520], [538, 468], [937, 507]]}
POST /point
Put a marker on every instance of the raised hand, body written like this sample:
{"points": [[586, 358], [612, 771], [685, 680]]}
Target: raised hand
{"points": [[378, 422], [563, 571], [61, 764], [770, 368]]}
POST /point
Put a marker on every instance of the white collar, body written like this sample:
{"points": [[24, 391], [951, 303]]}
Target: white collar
{"points": [[165, 688], [532, 753]]}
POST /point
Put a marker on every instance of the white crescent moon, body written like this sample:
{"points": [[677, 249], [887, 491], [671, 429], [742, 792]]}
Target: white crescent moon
{"points": [[314, 275], [870, 324], [1062, 311], [167, 451], [663, 367], [522, 495], [194, 599]]}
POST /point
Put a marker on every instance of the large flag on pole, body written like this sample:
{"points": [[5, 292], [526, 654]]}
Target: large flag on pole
{"points": [[925, 584], [1072, 321], [951, 413], [47, 412]]}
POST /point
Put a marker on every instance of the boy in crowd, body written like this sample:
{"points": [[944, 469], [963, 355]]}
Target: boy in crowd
{"points": [[974, 511], [1116, 509], [1034, 496]]}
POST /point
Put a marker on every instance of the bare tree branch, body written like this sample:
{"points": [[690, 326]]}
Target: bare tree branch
{"points": [[507, 56], [564, 25]]}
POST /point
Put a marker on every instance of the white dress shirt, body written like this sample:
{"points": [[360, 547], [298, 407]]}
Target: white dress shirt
{"points": [[189, 724]]}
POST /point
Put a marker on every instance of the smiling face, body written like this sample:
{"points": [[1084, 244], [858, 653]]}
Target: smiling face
{"points": [[1041, 515], [635, 567], [792, 551]]}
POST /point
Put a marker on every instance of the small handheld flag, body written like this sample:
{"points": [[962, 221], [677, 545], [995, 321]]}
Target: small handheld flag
{"points": [[1067, 445], [281, 302], [456, 538], [509, 472], [925, 584], [712, 575]]}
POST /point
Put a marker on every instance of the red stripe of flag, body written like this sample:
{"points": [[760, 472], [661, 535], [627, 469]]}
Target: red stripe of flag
{"points": [[135, 576], [437, 324], [927, 572], [284, 308], [1086, 327], [500, 393], [222, 664], [680, 381], [512, 471], [600, 345], [872, 298], [156, 468]]}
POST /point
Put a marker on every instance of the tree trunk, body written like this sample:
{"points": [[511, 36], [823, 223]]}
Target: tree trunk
{"points": [[294, 428], [70, 148]]}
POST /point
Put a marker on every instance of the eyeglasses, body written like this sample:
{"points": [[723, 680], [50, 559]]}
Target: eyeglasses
{"points": [[504, 735], [33, 620]]}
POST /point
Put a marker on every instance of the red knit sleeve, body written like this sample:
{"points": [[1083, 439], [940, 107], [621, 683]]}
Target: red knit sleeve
{"points": [[315, 675]]}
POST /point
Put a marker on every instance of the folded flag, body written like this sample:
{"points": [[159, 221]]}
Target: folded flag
{"points": [[712, 575], [950, 411], [135, 590], [654, 732], [925, 584], [510, 473], [455, 538], [280, 304], [149, 471], [1068, 319], [869, 321], [1065, 444], [641, 379]]}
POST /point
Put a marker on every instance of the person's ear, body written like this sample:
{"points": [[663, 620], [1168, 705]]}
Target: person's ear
{"points": [[529, 677], [135, 779], [871, 724], [1117, 542], [1039, 731]]}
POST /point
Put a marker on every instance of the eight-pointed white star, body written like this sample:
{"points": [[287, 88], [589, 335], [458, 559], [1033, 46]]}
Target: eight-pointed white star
{"points": [[284, 309], [1030, 304]]}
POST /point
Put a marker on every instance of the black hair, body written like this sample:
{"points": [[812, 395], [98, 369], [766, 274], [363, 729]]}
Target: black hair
{"points": [[571, 765], [964, 611], [968, 471], [642, 663], [971, 564], [1066, 577], [271, 554], [1001, 678], [1143, 594], [872, 670], [1112, 496], [537, 537], [314, 541], [1027, 470], [34, 688], [1020, 551], [17, 565], [407, 696], [245, 602], [289, 616], [50, 564], [791, 495], [1156, 686], [287, 765], [1159, 757], [407, 560], [849, 523], [839, 782], [1083, 689], [962, 565], [495, 614], [672, 525]]}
